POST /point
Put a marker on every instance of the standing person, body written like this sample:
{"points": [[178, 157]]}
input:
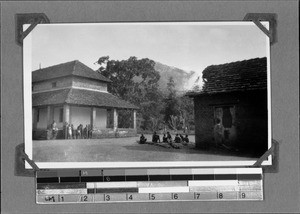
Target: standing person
{"points": [[79, 132], [218, 132], [54, 129], [85, 132], [69, 131], [90, 131], [65, 130], [169, 137], [73, 132], [155, 138]]}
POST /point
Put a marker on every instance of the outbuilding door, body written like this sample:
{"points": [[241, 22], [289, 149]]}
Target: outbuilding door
{"points": [[226, 114]]}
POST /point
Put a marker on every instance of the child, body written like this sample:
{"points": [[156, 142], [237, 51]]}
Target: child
{"points": [[218, 132]]}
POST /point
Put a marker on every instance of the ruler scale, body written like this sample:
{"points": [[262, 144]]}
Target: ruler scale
{"points": [[143, 185]]}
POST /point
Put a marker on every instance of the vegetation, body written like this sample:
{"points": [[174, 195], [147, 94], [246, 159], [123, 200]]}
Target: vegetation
{"points": [[137, 81]]}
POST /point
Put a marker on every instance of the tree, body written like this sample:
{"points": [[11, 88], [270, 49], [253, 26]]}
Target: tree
{"points": [[129, 76], [174, 122], [171, 103], [186, 108], [134, 80]]}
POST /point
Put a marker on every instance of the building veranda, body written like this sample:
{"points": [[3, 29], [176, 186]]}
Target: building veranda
{"points": [[72, 94]]}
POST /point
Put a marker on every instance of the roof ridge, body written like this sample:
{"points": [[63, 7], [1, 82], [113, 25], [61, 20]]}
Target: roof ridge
{"points": [[75, 63], [51, 66], [236, 62], [75, 68], [94, 71]]}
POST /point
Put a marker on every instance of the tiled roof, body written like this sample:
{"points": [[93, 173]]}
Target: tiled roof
{"points": [[74, 68], [80, 97], [236, 76]]}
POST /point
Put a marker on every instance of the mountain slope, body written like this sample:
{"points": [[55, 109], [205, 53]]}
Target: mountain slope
{"points": [[184, 80]]}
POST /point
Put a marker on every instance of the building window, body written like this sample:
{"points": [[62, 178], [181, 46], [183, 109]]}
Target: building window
{"points": [[61, 115], [226, 114], [54, 85]]}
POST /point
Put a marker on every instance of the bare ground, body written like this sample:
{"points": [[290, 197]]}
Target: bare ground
{"points": [[123, 149]]}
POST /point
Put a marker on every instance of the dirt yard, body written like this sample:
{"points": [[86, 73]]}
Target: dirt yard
{"points": [[123, 149]]}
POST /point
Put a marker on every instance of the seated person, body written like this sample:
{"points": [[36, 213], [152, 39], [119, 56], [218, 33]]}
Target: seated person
{"points": [[186, 139], [165, 139], [169, 137], [177, 139], [181, 137], [143, 139], [155, 138]]}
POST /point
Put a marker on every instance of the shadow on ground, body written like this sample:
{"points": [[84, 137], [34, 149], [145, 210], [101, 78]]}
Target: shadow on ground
{"points": [[190, 149]]}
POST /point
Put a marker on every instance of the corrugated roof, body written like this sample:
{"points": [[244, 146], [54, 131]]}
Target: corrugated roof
{"points": [[75, 68], [80, 97], [243, 75]]}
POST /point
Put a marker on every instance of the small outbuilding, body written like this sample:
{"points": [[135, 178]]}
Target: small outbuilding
{"points": [[235, 95], [73, 93]]}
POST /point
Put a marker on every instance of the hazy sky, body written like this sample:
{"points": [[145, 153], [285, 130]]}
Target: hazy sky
{"points": [[188, 46]]}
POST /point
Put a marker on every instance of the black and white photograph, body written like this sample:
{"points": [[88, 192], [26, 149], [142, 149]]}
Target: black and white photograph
{"points": [[147, 94]]}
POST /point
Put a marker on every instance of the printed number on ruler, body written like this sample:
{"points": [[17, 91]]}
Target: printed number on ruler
{"points": [[175, 196], [197, 195], [107, 197], [129, 197], [83, 198], [50, 198], [220, 195], [152, 196]]}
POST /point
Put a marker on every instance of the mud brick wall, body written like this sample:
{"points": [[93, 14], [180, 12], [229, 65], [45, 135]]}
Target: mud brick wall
{"points": [[250, 118]]}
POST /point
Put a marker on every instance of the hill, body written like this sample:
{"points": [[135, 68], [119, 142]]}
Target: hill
{"points": [[184, 80]]}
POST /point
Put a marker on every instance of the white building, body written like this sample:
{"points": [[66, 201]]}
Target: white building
{"points": [[75, 94]]}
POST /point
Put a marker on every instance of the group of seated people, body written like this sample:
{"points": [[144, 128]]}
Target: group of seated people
{"points": [[167, 138]]}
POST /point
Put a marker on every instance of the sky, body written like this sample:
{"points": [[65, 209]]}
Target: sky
{"points": [[188, 46]]}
